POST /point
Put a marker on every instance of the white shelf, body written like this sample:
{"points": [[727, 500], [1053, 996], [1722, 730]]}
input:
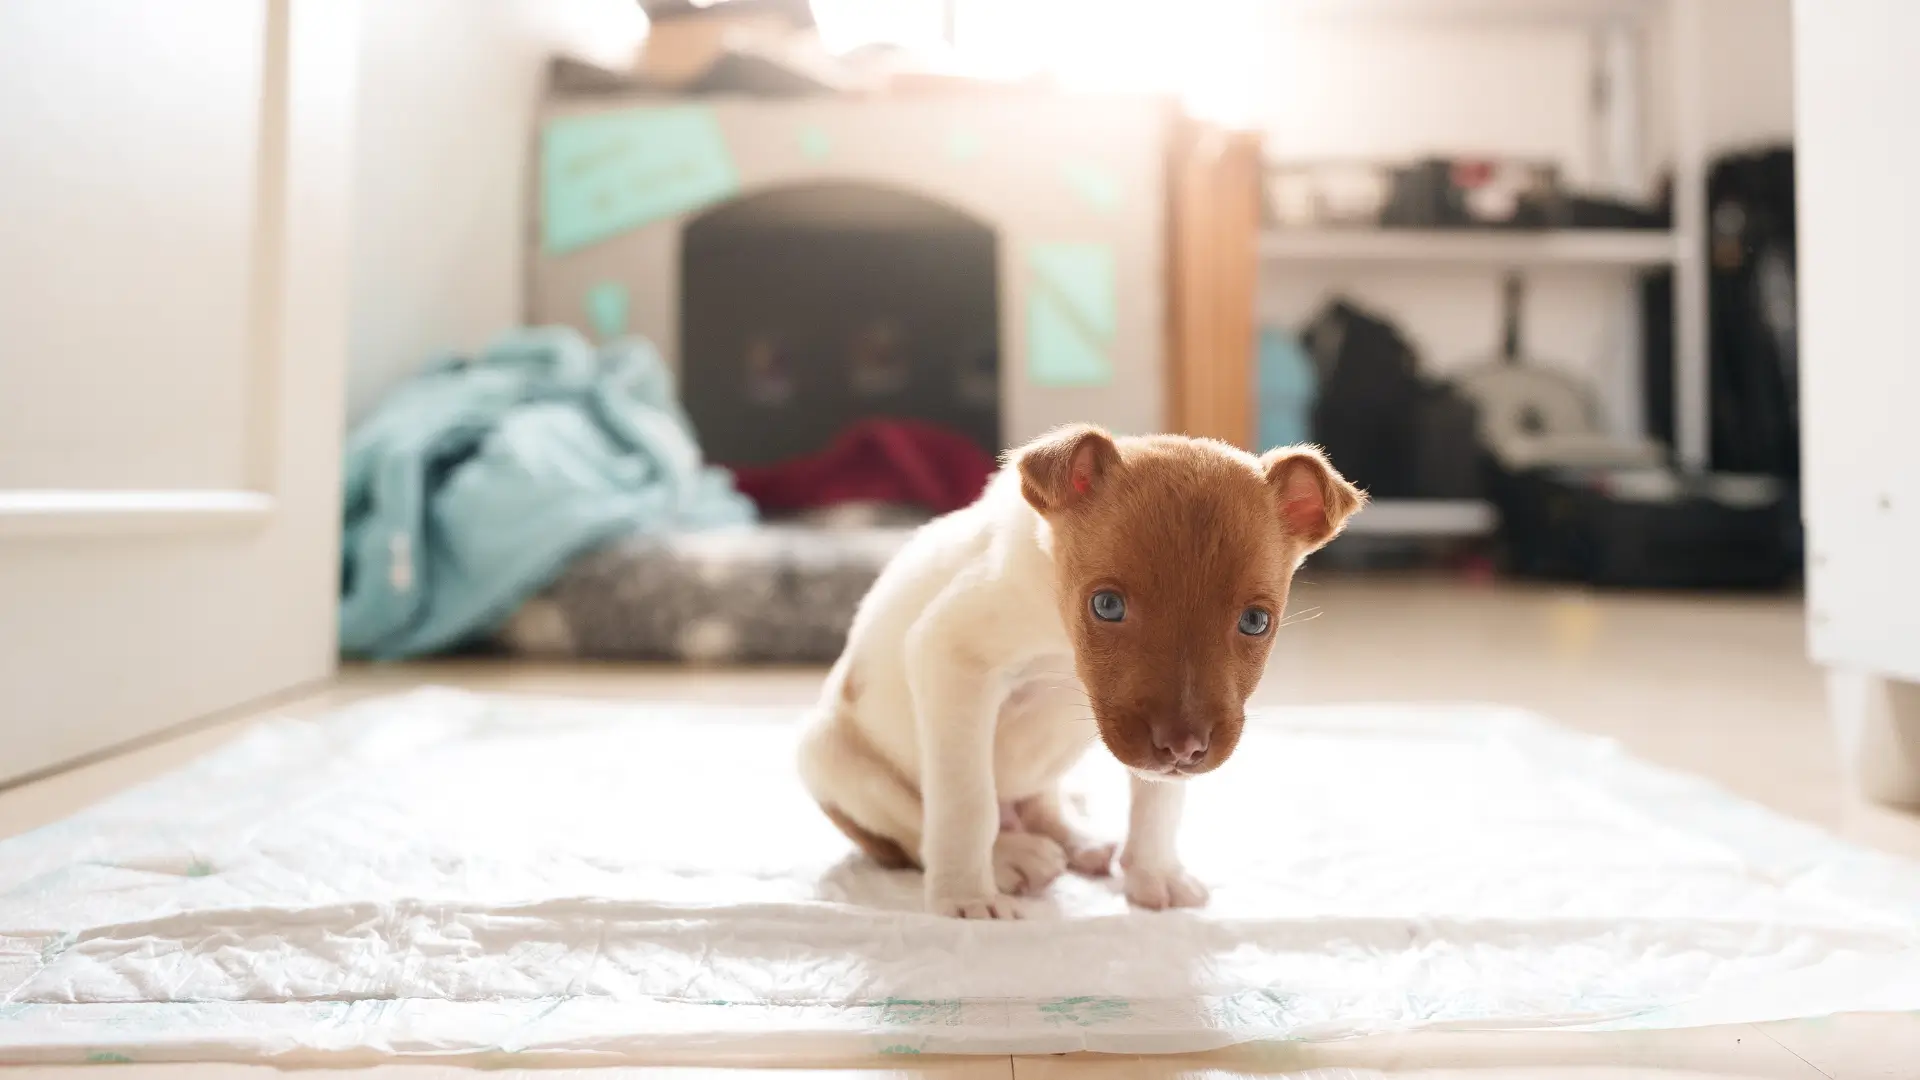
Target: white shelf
{"points": [[1424, 517], [1620, 31], [1507, 12], [1565, 247]]}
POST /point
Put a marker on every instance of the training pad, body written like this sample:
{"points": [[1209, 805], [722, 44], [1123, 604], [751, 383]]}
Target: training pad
{"points": [[501, 878]]}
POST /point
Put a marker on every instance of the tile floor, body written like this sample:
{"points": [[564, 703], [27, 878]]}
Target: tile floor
{"points": [[1716, 686]]}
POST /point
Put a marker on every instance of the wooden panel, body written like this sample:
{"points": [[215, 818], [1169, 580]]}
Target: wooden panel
{"points": [[1213, 262]]}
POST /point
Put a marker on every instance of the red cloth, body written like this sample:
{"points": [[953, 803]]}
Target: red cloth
{"points": [[893, 461]]}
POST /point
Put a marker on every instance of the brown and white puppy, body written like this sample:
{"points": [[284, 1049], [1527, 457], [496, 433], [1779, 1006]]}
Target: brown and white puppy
{"points": [[1124, 588]]}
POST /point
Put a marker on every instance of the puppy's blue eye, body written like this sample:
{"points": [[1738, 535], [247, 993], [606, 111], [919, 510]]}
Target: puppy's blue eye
{"points": [[1108, 606], [1254, 621]]}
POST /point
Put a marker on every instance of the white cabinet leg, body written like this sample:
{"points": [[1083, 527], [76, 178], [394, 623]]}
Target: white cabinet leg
{"points": [[1877, 723]]}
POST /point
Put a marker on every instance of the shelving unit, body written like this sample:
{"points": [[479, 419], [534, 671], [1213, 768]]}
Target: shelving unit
{"points": [[1435, 518], [1594, 247], [1616, 27]]}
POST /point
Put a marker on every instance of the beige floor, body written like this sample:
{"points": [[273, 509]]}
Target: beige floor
{"points": [[1718, 687]]}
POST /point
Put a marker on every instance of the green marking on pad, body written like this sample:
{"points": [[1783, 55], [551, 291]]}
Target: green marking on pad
{"points": [[913, 1012], [1086, 1011]]}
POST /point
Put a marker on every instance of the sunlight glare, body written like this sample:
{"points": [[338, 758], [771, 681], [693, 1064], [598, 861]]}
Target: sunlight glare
{"points": [[1207, 54]]}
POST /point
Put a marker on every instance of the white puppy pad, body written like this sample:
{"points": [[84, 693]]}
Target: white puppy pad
{"points": [[509, 879]]}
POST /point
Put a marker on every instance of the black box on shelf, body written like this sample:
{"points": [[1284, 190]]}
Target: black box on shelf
{"points": [[1648, 528], [1442, 193]]}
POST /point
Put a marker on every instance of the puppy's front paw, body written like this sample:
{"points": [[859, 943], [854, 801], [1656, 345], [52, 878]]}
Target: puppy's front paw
{"points": [[1025, 863], [1158, 890], [1091, 859], [984, 907]]}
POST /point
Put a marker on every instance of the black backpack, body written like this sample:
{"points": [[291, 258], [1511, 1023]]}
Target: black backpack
{"points": [[1753, 361], [1392, 432], [1754, 340]]}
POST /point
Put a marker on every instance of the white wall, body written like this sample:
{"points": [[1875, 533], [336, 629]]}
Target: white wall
{"points": [[1747, 78], [447, 92], [1367, 89]]}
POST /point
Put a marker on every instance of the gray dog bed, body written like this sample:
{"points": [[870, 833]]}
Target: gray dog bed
{"points": [[763, 594]]}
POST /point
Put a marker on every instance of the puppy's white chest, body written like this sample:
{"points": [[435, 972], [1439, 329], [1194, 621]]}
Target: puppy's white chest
{"points": [[1045, 725]]}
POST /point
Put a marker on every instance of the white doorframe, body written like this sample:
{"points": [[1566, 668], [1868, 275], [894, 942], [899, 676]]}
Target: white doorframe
{"points": [[128, 611], [1857, 100]]}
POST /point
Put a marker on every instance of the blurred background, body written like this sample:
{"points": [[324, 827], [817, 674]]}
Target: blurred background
{"points": [[1441, 239], [603, 330]]}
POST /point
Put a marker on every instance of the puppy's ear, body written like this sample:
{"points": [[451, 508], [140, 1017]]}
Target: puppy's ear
{"points": [[1315, 501], [1065, 465]]}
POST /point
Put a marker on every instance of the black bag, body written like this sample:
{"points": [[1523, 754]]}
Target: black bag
{"points": [[1395, 434], [1753, 362], [1446, 445], [1755, 351]]}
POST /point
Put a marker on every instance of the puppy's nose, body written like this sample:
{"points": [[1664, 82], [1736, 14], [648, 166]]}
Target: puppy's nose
{"points": [[1182, 746]]}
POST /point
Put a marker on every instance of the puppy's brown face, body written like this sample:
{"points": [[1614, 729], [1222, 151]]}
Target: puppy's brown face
{"points": [[1173, 558]]}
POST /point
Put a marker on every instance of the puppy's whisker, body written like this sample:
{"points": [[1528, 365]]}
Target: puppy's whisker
{"points": [[1301, 616]]}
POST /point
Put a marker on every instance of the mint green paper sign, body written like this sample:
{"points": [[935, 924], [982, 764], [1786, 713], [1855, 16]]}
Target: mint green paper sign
{"points": [[603, 174], [815, 142], [1094, 183], [1070, 314], [607, 309]]}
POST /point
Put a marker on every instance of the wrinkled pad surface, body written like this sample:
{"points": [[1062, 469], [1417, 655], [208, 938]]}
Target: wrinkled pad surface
{"points": [[506, 879]]}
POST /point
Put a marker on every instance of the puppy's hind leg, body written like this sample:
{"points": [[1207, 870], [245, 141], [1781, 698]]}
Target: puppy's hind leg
{"points": [[860, 792], [1044, 814]]}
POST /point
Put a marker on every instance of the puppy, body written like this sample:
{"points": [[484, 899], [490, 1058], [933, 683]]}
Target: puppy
{"points": [[1146, 576]]}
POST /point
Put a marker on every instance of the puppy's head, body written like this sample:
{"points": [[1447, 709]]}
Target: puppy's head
{"points": [[1172, 559]]}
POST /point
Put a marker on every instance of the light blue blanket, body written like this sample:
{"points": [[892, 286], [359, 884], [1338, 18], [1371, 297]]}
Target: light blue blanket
{"points": [[475, 482]]}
